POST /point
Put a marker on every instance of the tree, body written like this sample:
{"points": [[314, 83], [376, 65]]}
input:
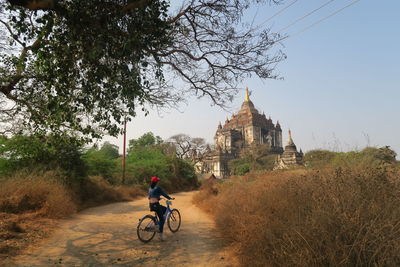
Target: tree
{"points": [[109, 150], [255, 157], [146, 140], [151, 158], [239, 166], [102, 161], [182, 144], [42, 153], [88, 65], [188, 147]]}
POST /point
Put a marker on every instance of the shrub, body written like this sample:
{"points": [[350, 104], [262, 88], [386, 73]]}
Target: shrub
{"points": [[332, 217], [318, 158], [183, 176], [379, 157], [144, 162], [39, 152], [239, 166], [95, 190], [30, 201], [42, 193], [255, 158], [149, 157], [102, 162]]}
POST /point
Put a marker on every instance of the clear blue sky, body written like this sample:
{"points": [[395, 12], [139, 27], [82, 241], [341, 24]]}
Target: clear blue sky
{"points": [[341, 86]]}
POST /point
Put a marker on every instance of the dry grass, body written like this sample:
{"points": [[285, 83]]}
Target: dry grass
{"points": [[28, 207], [38, 193], [31, 204], [334, 217], [96, 191]]}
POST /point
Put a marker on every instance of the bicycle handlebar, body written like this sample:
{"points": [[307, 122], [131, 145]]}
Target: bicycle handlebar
{"points": [[162, 198]]}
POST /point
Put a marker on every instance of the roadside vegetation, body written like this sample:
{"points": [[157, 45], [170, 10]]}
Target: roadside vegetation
{"points": [[254, 158], [45, 178], [340, 210]]}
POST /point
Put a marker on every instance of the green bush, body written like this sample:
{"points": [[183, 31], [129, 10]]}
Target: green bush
{"points": [[148, 156], [41, 153], [183, 174], [239, 166], [372, 156], [255, 158], [265, 163], [318, 158], [102, 162], [144, 162]]}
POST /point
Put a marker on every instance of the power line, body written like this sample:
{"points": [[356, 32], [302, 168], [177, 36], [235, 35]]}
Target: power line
{"points": [[276, 14], [306, 15], [319, 21], [325, 18]]}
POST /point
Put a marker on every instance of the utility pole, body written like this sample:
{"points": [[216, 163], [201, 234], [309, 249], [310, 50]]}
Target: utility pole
{"points": [[124, 154]]}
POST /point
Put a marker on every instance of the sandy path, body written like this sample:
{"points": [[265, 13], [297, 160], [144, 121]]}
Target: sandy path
{"points": [[106, 235]]}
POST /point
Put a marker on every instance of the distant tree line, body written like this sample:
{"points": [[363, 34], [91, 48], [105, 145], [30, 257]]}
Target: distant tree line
{"points": [[147, 156]]}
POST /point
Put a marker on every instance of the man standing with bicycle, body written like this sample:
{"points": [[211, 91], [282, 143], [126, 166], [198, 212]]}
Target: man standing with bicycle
{"points": [[155, 193]]}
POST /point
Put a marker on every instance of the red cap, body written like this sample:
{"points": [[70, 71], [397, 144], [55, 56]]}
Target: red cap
{"points": [[155, 179]]}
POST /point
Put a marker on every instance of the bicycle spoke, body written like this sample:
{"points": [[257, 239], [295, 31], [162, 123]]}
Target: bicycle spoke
{"points": [[146, 229], [174, 221]]}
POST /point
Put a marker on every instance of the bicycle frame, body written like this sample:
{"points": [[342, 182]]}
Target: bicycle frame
{"points": [[150, 223], [166, 214]]}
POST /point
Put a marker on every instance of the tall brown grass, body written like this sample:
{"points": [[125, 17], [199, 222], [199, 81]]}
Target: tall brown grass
{"points": [[28, 206], [31, 203], [332, 217], [95, 190], [39, 193]]}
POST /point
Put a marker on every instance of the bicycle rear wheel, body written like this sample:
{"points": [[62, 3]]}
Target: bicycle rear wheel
{"points": [[146, 228], [174, 220]]}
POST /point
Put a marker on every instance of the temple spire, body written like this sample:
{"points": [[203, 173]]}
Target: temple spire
{"points": [[247, 95], [290, 140]]}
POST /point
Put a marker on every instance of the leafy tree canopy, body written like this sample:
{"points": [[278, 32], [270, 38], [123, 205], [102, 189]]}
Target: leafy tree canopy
{"points": [[41, 152], [109, 150], [256, 157], [86, 65], [149, 156], [103, 161], [146, 140]]}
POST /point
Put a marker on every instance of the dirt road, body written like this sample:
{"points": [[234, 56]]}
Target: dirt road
{"points": [[106, 235]]}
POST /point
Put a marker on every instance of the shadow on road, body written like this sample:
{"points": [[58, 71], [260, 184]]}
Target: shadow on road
{"points": [[106, 235]]}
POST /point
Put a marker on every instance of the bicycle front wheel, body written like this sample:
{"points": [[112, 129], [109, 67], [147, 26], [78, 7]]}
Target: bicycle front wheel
{"points": [[146, 228], [174, 220]]}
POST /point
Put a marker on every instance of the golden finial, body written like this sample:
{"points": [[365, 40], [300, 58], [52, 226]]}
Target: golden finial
{"points": [[247, 95]]}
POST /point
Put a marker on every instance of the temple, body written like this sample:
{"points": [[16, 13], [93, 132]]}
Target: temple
{"points": [[290, 156], [246, 129]]}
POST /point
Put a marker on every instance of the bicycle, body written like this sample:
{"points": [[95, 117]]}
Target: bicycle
{"points": [[149, 224]]}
